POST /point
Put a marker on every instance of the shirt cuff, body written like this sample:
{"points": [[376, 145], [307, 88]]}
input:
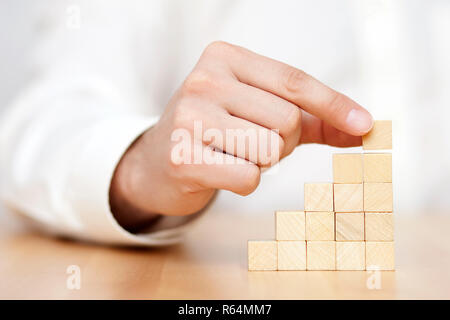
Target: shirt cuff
{"points": [[92, 174]]}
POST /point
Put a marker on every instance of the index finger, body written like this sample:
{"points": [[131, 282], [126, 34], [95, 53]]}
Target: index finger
{"points": [[299, 88]]}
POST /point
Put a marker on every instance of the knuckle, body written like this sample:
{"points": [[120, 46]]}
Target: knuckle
{"points": [[216, 48], [337, 104], [182, 117], [294, 80], [250, 180], [198, 82], [188, 187], [293, 121], [271, 154]]}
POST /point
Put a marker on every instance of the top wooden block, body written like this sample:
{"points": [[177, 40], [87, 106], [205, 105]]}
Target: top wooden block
{"points": [[319, 197], [380, 137]]}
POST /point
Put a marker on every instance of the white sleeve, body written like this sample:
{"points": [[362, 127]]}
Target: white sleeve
{"points": [[61, 139]]}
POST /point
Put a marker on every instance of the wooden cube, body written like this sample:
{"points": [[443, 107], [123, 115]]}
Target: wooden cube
{"points": [[380, 256], [350, 226], [351, 255], [319, 225], [378, 197], [290, 225], [378, 167], [262, 255], [320, 255], [347, 168], [379, 226], [380, 137], [291, 255], [348, 197], [319, 197]]}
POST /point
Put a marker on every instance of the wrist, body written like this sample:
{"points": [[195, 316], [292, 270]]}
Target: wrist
{"points": [[123, 207]]}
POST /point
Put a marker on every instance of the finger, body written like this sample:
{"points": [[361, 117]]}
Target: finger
{"points": [[242, 138], [261, 107], [224, 171], [315, 130], [265, 109], [300, 88]]}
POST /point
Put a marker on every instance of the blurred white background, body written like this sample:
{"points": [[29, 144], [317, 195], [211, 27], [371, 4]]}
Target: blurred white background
{"points": [[393, 57]]}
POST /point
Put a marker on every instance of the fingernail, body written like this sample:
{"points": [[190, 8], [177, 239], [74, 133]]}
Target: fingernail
{"points": [[360, 121]]}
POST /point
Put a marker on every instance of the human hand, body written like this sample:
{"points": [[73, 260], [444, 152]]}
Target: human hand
{"points": [[229, 88]]}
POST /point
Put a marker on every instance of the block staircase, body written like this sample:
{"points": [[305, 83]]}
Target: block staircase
{"points": [[346, 225]]}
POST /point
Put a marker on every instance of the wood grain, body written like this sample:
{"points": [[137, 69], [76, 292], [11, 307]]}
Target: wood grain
{"points": [[378, 167], [320, 226], [321, 255], [319, 197], [347, 168], [351, 255], [380, 137], [291, 255], [262, 255], [211, 263], [378, 197], [379, 226], [348, 198], [290, 225], [380, 256], [350, 226]]}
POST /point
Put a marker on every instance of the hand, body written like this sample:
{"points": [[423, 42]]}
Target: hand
{"points": [[229, 88]]}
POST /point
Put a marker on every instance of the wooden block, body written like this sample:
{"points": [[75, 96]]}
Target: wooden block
{"points": [[290, 225], [351, 255], [350, 226], [320, 255], [347, 168], [319, 197], [348, 197], [380, 137], [379, 226], [320, 226], [378, 197], [262, 255], [291, 255], [380, 256], [378, 167]]}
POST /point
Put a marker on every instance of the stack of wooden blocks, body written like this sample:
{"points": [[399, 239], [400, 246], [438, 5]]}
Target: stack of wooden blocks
{"points": [[346, 225]]}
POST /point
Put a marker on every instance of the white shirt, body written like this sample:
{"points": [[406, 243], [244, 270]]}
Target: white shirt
{"points": [[102, 72]]}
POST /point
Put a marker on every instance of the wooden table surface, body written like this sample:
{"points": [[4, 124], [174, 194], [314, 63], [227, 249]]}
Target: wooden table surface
{"points": [[212, 264]]}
